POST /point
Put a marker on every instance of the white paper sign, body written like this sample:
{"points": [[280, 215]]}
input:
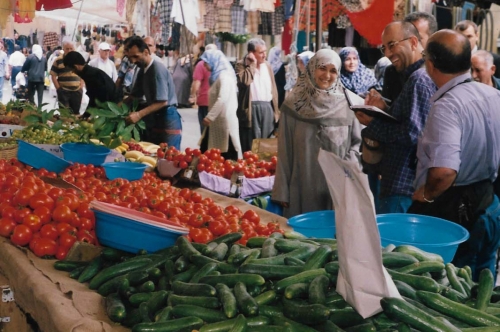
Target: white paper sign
{"points": [[362, 279]]}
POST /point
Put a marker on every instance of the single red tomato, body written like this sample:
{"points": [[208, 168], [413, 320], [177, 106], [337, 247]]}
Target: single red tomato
{"points": [[196, 220], [21, 235], [45, 247], [62, 213], [66, 240], [86, 224], [49, 231], [19, 214], [63, 227], [218, 227], [44, 214], [61, 253], [85, 236], [23, 196], [252, 216], [41, 199], [32, 221], [7, 226], [8, 212]]}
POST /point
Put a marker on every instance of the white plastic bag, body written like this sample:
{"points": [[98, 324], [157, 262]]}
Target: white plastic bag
{"points": [[362, 279]]}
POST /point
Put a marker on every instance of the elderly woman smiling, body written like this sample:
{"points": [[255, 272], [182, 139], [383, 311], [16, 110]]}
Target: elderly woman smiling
{"points": [[315, 116], [354, 75]]}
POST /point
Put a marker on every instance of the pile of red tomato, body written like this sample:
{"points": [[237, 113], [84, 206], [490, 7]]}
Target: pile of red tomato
{"points": [[211, 161], [49, 219]]}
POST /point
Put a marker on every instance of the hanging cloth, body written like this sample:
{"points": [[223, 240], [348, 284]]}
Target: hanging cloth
{"points": [[120, 7], [5, 10], [188, 14], [53, 4], [370, 23], [331, 10], [129, 10], [26, 11]]}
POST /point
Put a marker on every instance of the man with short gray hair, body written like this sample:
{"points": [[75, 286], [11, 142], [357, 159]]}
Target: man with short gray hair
{"points": [[483, 69], [258, 97]]}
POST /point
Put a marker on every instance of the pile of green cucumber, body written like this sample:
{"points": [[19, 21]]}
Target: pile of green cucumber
{"points": [[281, 283]]}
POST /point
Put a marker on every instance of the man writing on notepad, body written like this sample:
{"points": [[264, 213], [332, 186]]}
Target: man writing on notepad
{"points": [[399, 139]]}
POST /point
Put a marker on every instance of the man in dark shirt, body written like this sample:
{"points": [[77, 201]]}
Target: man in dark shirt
{"points": [[99, 85]]}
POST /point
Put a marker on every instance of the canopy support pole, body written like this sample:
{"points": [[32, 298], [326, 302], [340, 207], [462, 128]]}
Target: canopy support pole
{"points": [[319, 32], [308, 35], [77, 20]]}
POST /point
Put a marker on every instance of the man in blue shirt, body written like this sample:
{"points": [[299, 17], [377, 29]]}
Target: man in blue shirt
{"points": [[399, 140], [155, 84], [459, 151]]}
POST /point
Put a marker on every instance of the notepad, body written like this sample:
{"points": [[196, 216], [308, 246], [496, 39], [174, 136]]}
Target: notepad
{"points": [[357, 104]]}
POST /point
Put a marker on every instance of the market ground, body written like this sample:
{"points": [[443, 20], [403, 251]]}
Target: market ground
{"points": [[190, 127]]}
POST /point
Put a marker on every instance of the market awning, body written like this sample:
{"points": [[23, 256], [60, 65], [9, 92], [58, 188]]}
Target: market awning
{"points": [[92, 11]]}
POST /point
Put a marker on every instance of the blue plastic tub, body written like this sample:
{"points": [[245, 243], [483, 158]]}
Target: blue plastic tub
{"points": [[84, 153], [37, 158], [319, 224], [430, 234], [125, 170], [131, 236], [266, 204]]}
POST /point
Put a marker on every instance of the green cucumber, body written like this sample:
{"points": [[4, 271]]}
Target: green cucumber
{"points": [[268, 248], [245, 302], [76, 272], [462, 273], [452, 277], [417, 282], [405, 290], [481, 329], [138, 277], [111, 286], [226, 297], [144, 312], [253, 256], [205, 314], [185, 324], [68, 266], [164, 314], [203, 248], [306, 276], [485, 289], [300, 253], [266, 297], [292, 325], [418, 253], [200, 261], [154, 274], [133, 318], [270, 311], [286, 246], [435, 313], [137, 298], [202, 301], [182, 264], [317, 289], [334, 300], [113, 255], [292, 261], [192, 289], [240, 324], [116, 270], [456, 310], [169, 270], [304, 312], [229, 238], [115, 308], [270, 271], [332, 267], [233, 250], [256, 241], [299, 290], [294, 235], [365, 327], [203, 271], [220, 252], [389, 248], [397, 259], [400, 310], [186, 248], [319, 258], [241, 256], [421, 267], [328, 326], [345, 317], [147, 286], [226, 325], [92, 269], [452, 294], [269, 328], [186, 275], [157, 301], [231, 279]]}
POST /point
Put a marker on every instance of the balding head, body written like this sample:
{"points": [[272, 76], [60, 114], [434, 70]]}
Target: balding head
{"points": [[400, 43], [449, 52], [151, 44], [68, 46]]}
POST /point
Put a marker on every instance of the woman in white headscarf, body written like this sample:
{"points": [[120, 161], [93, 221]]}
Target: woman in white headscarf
{"points": [[221, 122], [274, 59], [35, 66], [315, 116]]}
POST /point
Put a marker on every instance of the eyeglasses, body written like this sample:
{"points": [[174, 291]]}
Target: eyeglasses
{"points": [[391, 45]]}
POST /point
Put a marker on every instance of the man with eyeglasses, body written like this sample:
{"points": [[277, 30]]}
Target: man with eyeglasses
{"points": [[459, 152], [426, 25], [399, 140]]}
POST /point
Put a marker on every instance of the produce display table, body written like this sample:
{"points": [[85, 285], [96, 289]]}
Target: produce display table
{"points": [[59, 303]]}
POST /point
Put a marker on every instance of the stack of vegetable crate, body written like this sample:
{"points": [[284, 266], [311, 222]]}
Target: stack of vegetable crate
{"points": [[281, 283]]}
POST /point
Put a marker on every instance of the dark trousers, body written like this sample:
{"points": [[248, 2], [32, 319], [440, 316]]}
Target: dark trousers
{"points": [[38, 87], [15, 71], [70, 99], [231, 153], [164, 126], [202, 113]]}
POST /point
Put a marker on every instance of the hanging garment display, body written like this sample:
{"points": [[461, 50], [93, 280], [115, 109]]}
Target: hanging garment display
{"points": [[5, 10], [48, 5], [187, 13], [129, 10], [209, 19], [164, 11], [331, 9], [120, 7], [371, 22], [260, 5], [271, 23], [238, 16], [253, 21], [223, 20]]}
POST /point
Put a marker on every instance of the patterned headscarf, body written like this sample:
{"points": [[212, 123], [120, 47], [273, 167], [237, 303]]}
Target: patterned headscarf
{"points": [[274, 59], [313, 103], [217, 62], [359, 81]]}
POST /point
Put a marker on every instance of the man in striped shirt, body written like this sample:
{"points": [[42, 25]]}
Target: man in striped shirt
{"points": [[67, 83]]}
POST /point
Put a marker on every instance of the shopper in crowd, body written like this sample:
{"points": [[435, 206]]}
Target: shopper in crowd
{"points": [[483, 69], [316, 115], [279, 71], [69, 86], [4, 69], [221, 121], [302, 61], [98, 84], [394, 81], [154, 82], [258, 110], [379, 71], [126, 72], [354, 75], [459, 152], [35, 66], [49, 52], [183, 77], [469, 29], [103, 62], [200, 87], [25, 51], [16, 62], [50, 62], [400, 43]]}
